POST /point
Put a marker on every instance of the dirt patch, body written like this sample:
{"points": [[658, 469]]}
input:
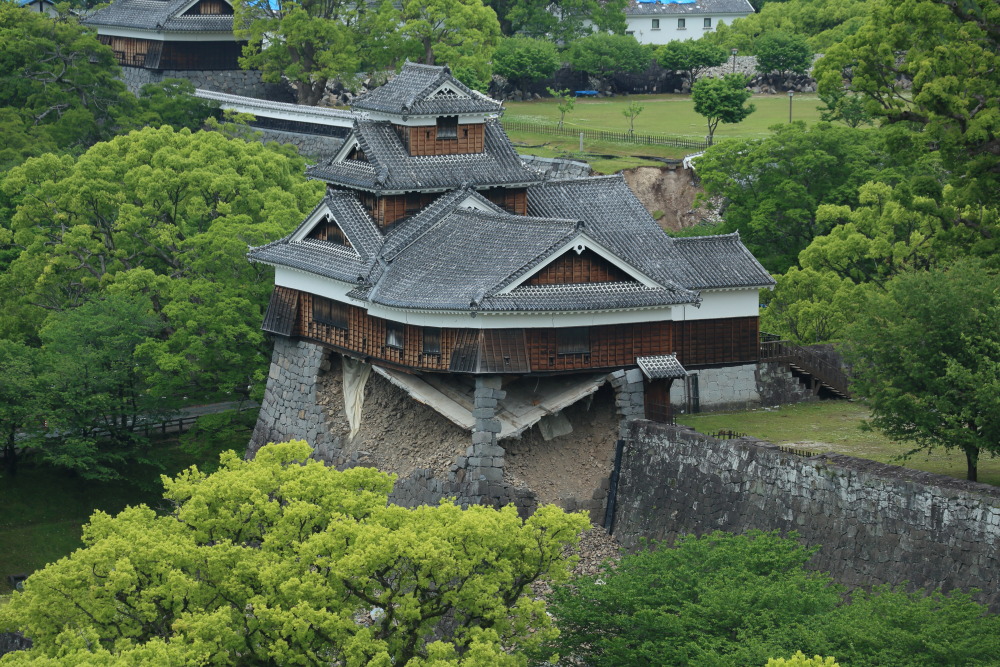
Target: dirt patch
{"points": [[570, 466], [399, 434], [669, 193]]}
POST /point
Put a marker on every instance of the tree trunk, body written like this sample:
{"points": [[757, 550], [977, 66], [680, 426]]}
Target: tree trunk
{"points": [[10, 453], [972, 461]]}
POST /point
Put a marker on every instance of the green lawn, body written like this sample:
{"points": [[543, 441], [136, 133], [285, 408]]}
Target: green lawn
{"points": [[835, 426], [671, 115]]}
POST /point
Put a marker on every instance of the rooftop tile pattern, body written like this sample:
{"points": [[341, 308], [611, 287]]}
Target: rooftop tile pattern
{"points": [[590, 296], [412, 92], [392, 169], [158, 15], [702, 7], [614, 217]]}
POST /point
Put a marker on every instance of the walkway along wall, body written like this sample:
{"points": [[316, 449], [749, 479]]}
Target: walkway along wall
{"points": [[875, 523]]}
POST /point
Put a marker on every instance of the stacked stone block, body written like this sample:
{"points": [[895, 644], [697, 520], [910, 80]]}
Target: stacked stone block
{"points": [[874, 523], [289, 410], [629, 396], [235, 82]]}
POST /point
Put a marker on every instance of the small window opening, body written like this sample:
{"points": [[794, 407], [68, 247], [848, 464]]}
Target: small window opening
{"points": [[432, 340], [681, 24], [573, 340], [447, 127], [394, 335], [329, 312], [656, 24], [708, 23]]}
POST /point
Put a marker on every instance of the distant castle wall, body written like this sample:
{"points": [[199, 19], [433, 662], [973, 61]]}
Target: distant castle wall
{"points": [[234, 82], [874, 523]]}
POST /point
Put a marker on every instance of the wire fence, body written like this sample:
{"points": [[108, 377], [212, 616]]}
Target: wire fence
{"points": [[603, 135]]}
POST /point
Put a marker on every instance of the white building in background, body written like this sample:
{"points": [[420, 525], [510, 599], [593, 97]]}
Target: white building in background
{"points": [[656, 22]]}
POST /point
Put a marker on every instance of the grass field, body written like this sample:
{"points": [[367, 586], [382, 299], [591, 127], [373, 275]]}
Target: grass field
{"points": [[835, 426], [672, 115]]}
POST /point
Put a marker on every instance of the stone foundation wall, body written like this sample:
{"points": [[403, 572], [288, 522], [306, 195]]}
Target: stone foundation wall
{"points": [[743, 387], [309, 145], [234, 82], [874, 523]]}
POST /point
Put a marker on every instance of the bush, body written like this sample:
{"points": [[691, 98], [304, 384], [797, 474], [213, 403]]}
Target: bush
{"points": [[523, 59]]}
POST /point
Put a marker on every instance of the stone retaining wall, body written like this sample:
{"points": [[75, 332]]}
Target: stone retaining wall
{"points": [[310, 145], [234, 82], [875, 523]]}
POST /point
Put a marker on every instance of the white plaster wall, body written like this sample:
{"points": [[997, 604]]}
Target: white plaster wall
{"points": [[642, 27]]}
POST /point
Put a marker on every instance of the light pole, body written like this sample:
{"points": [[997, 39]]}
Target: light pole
{"points": [[791, 94], [734, 52]]}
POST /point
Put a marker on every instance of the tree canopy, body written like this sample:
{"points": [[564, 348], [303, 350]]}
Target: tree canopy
{"points": [[926, 357], [283, 560], [523, 59], [783, 53], [562, 22], [691, 57], [601, 55], [722, 101], [723, 599]]}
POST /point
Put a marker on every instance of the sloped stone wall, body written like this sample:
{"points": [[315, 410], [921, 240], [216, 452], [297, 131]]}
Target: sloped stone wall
{"points": [[234, 82], [874, 523]]}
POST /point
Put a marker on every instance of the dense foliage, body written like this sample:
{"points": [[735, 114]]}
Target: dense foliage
{"points": [[283, 560], [601, 55], [523, 59], [691, 57], [723, 599], [722, 101], [783, 53]]}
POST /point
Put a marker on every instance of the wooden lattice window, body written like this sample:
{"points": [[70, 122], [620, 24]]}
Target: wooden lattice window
{"points": [[447, 127], [394, 335], [330, 312], [573, 340], [432, 340]]}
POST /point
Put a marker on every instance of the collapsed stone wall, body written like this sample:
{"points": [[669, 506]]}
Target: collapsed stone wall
{"points": [[553, 168], [235, 82], [874, 523]]}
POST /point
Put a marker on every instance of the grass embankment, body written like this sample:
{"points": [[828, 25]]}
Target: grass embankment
{"points": [[44, 508], [835, 426], [671, 115]]}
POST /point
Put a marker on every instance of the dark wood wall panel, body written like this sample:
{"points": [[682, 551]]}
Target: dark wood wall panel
{"points": [[512, 200], [697, 343], [587, 267], [154, 54], [424, 141]]}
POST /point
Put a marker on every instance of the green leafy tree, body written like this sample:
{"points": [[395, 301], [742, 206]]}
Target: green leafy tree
{"points": [[561, 22], [309, 43], [459, 33], [713, 599], [722, 101], [775, 185], [800, 660], [523, 59], [811, 306], [97, 398], [631, 112], [59, 80], [950, 53], [172, 102], [565, 104], [783, 53], [841, 105], [282, 560], [22, 400], [601, 55], [691, 57], [926, 357], [169, 215]]}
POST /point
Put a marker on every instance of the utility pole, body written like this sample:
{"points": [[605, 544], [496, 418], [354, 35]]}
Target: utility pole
{"points": [[734, 52]]}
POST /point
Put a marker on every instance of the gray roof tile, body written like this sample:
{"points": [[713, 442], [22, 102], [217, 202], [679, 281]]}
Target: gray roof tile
{"points": [[410, 93], [702, 7], [391, 169], [590, 296], [661, 366], [160, 15], [614, 217]]}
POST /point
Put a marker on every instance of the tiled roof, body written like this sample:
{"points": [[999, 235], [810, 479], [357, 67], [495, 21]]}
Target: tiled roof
{"points": [[158, 15], [392, 169], [412, 92], [661, 366], [590, 296], [701, 7], [614, 217]]}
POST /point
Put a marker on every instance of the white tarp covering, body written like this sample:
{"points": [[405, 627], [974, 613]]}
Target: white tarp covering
{"points": [[355, 376]]}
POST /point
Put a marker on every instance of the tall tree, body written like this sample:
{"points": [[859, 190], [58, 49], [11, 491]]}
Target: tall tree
{"points": [[784, 53], [523, 59], [169, 215], [691, 57], [459, 33], [926, 357], [722, 101], [307, 42], [22, 400], [564, 21], [283, 560], [601, 55]]}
